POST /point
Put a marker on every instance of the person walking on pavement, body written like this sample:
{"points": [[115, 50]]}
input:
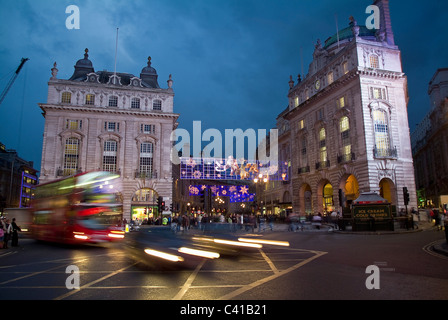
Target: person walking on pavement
{"points": [[7, 228], [2, 231], [415, 212], [271, 222], [14, 233], [261, 223]]}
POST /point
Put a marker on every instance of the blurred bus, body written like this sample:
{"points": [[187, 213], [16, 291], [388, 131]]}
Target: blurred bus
{"points": [[84, 208]]}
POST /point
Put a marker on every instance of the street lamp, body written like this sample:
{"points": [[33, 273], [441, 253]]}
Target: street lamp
{"points": [[264, 179]]}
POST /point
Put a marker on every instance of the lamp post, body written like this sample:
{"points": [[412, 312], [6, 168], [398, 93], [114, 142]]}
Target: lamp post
{"points": [[262, 179]]}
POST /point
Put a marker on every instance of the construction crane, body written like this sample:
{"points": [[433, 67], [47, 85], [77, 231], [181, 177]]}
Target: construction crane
{"points": [[11, 81]]}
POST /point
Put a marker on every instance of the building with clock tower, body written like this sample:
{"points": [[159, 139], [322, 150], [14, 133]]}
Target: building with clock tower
{"points": [[348, 122]]}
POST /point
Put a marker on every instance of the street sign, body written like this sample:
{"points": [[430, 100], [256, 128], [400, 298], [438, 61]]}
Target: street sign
{"points": [[376, 211]]}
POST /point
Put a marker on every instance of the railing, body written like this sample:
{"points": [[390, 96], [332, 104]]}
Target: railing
{"points": [[304, 170], [346, 157], [146, 174], [385, 152], [322, 164]]}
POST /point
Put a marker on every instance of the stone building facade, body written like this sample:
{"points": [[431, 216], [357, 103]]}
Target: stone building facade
{"points": [[114, 122], [348, 122], [430, 146]]}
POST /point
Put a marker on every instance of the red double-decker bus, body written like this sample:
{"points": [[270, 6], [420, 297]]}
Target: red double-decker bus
{"points": [[84, 208]]}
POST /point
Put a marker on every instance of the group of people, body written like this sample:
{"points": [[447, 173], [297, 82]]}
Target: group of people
{"points": [[184, 222], [9, 231], [439, 216]]}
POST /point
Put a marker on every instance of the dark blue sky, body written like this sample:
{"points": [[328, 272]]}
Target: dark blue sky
{"points": [[230, 59]]}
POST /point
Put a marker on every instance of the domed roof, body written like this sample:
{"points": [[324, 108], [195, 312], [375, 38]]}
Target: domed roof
{"points": [[82, 68], [148, 69], [347, 33], [149, 76]]}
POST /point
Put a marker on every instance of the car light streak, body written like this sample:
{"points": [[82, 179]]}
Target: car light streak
{"points": [[231, 243], [271, 242], [81, 236], [163, 255], [199, 253], [116, 236]]}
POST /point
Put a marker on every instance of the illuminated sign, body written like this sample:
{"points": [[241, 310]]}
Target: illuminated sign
{"points": [[232, 169], [236, 193]]}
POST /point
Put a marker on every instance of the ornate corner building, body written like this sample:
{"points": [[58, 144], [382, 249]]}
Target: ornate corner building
{"points": [[114, 122], [348, 122]]}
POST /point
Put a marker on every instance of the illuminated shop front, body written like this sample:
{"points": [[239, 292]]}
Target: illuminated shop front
{"points": [[144, 205]]}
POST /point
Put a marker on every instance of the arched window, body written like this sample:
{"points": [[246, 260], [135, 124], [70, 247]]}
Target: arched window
{"points": [[323, 156], [71, 156], [146, 159], [66, 97], [328, 197], [110, 156], [382, 140], [344, 128]]}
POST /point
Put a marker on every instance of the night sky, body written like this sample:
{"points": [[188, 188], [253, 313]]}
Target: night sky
{"points": [[230, 59]]}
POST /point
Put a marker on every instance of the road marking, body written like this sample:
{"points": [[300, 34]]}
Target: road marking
{"points": [[257, 283], [30, 275], [189, 281], [428, 249], [269, 262], [70, 293], [7, 253]]}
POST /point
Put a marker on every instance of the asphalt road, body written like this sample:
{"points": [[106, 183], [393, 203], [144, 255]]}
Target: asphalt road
{"points": [[316, 266]]}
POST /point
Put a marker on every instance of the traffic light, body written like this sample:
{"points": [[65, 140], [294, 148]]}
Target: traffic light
{"points": [[159, 203], [163, 205], [406, 196], [202, 197]]}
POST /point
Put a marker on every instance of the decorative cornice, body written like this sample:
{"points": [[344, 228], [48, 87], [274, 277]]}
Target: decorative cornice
{"points": [[66, 108], [380, 73], [342, 82]]}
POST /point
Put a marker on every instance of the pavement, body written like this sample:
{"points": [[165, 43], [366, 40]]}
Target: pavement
{"points": [[423, 225]]}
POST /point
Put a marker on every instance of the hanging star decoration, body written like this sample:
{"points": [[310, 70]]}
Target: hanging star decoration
{"points": [[244, 190]]}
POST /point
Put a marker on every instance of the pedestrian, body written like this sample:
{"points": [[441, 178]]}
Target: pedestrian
{"points": [[7, 234], [261, 223], [317, 221], [271, 222], [334, 219], [2, 231], [415, 213], [14, 233], [437, 218], [442, 220], [252, 222]]}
